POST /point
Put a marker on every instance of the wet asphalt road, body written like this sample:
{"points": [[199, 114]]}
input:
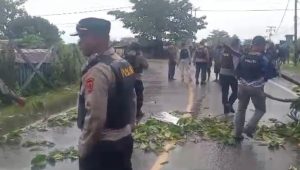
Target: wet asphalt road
{"points": [[161, 95]]}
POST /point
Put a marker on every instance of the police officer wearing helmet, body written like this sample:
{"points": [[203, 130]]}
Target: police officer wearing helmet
{"points": [[106, 106]]}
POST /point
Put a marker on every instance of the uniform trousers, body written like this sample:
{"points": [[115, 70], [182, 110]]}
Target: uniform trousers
{"points": [[109, 155]]}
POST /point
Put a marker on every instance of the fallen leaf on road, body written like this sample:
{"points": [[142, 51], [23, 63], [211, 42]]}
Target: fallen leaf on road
{"points": [[29, 144], [153, 134], [39, 161], [36, 149], [163, 163]]}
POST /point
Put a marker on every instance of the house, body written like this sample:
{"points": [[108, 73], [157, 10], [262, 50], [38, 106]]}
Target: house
{"points": [[289, 39], [35, 57]]}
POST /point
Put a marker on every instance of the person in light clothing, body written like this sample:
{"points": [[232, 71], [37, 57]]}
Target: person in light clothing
{"points": [[185, 63]]}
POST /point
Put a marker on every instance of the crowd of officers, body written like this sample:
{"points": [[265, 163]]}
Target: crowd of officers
{"points": [[243, 70], [111, 89]]}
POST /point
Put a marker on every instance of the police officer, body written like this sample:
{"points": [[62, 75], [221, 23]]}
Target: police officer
{"points": [[217, 60], [184, 63], [201, 60], [227, 76], [172, 56], [253, 71], [106, 106], [134, 56], [9, 95]]}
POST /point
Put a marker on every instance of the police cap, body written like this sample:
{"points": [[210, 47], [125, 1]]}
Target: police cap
{"points": [[259, 40], [95, 26]]}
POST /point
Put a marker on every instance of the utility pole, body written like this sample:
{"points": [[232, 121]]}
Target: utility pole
{"points": [[195, 11], [295, 35], [270, 30]]}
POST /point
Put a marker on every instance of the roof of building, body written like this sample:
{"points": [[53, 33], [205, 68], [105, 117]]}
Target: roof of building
{"points": [[35, 56]]}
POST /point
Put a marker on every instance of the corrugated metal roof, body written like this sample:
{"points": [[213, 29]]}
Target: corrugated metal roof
{"points": [[35, 56]]}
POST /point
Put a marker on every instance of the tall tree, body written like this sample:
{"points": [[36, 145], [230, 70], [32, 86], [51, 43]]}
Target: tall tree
{"points": [[9, 11], [34, 28], [218, 37], [31, 41], [161, 19]]}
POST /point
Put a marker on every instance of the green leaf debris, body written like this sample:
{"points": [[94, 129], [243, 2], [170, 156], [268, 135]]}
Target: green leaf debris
{"points": [[41, 160], [29, 144], [154, 134]]}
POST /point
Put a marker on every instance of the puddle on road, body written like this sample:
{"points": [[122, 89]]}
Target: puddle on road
{"points": [[208, 155]]}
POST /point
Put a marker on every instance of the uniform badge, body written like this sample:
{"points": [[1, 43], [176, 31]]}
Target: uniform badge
{"points": [[89, 85]]}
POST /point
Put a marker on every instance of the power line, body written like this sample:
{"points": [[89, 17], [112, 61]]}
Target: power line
{"points": [[81, 12], [244, 10], [287, 5], [203, 10], [71, 24]]}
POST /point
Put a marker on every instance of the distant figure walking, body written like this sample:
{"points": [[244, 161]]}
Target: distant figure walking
{"points": [[184, 63], [210, 62], [201, 60], [172, 55], [217, 61]]}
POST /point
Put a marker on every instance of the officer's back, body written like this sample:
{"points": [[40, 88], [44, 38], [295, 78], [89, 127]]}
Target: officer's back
{"points": [[106, 107]]}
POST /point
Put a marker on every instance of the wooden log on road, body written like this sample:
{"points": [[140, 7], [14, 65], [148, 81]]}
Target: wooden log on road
{"points": [[288, 78], [280, 99]]}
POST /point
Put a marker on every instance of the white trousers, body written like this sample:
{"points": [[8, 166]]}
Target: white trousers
{"points": [[185, 70]]}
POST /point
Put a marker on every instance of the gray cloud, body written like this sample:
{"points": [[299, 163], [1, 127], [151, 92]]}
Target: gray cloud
{"points": [[244, 24]]}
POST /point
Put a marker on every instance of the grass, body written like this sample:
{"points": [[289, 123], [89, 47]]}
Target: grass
{"points": [[13, 117]]}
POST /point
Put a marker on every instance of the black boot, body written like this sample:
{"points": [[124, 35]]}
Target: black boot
{"points": [[226, 109]]}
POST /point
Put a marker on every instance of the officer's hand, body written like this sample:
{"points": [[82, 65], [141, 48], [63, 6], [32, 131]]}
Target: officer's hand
{"points": [[21, 101]]}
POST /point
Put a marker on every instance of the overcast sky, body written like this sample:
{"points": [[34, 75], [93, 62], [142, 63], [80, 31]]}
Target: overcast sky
{"points": [[244, 24]]}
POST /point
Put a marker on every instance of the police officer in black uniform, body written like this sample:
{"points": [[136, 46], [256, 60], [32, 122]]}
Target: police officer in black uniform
{"points": [[107, 102], [133, 54], [253, 71]]}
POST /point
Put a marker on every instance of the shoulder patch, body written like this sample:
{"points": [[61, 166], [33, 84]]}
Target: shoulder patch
{"points": [[89, 85]]}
